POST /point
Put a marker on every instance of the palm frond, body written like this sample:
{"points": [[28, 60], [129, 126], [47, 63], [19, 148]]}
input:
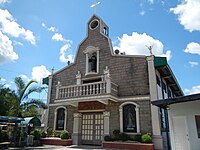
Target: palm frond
{"points": [[20, 85], [32, 90], [25, 88], [34, 102]]}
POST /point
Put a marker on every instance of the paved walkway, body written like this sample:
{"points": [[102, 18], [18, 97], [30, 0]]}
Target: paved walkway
{"points": [[73, 147]]}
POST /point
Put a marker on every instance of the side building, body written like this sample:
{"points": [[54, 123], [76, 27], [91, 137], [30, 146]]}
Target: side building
{"points": [[104, 90]]}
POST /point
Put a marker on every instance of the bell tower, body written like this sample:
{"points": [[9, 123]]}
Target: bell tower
{"points": [[96, 25]]}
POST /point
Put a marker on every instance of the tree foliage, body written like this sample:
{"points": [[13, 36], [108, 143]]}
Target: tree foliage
{"points": [[17, 103]]}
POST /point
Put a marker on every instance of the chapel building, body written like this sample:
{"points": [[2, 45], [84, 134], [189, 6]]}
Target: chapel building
{"points": [[104, 90]]}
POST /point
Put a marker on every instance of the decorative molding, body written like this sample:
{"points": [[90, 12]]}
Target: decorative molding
{"points": [[78, 76], [121, 115], [106, 71], [106, 114], [55, 116], [90, 49], [77, 115]]}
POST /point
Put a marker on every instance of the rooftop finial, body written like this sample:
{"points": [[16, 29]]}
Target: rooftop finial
{"points": [[150, 49], [52, 70], [95, 5]]}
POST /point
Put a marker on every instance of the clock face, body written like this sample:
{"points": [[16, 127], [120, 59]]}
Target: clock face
{"points": [[94, 24]]}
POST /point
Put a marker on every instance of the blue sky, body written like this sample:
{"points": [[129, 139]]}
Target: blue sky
{"points": [[37, 35]]}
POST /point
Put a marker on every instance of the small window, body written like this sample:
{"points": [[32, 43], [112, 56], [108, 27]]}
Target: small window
{"points": [[197, 119], [164, 87], [158, 80], [105, 31]]}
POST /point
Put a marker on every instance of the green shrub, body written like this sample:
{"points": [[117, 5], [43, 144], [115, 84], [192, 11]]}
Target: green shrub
{"points": [[36, 133], [137, 138], [43, 134], [50, 132], [108, 138], [3, 136], [116, 132], [146, 138], [64, 134], [56, 134], [124, 137]]}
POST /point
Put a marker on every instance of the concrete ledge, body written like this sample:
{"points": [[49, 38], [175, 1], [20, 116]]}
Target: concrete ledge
{"points": [[130, 146], [56, 141]]}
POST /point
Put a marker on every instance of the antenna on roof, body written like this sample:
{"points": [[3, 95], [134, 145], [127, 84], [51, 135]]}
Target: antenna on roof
{"points": [[150, 49], [95, 5]]}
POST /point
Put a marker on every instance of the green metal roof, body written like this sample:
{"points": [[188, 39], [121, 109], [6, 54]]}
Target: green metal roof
{"points": [[9, 118], [162, 66], [160, 61], [31, 120], [45, 81]]}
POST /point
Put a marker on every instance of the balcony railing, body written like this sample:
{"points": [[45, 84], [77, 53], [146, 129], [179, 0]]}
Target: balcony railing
{"points": [[89, 89]]}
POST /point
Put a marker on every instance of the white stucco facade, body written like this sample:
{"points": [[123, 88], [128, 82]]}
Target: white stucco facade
{"points": [[187, 110]]}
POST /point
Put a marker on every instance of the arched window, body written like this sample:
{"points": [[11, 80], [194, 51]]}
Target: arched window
{"points": [[92, 60], [60, 119], [129, 117], [129, 122]]}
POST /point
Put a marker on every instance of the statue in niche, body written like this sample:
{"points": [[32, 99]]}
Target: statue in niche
{"points": [[93, 63], [130, 120]]}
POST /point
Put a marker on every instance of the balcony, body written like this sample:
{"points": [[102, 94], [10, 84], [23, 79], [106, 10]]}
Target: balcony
{"points": [[87, 90]]}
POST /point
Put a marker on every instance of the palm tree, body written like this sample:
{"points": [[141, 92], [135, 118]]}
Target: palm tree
{"points": [[20, 102]]}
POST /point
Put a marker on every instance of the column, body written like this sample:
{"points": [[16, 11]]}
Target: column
{"points": [[48, 101], [76, 136], [87, 67], [155, 115], [55, 118], [137, 119], [57, 89], [106, 116], [97, 61], [121, 119], [78, 78]]}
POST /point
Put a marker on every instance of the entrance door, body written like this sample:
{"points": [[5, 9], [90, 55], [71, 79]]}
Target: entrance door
{"points": [[92, 128], [181, 138]]}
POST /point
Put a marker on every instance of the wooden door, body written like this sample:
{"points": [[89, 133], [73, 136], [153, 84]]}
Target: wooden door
{"points": [[92, 128]]}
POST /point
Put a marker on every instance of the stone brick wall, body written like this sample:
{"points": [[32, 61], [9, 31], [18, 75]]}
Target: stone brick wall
{"points": [[144, 114], [69, 124], [128, 72]]}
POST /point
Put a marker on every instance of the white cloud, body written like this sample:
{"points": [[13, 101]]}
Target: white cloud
{"points": [[6, 50], [57, 37], [188, 14], [39, 72], [2, 81], [17, 43], [63, 51], [193, 90], [151, 1], [142, 12], [24, 78], [193, 64], [4, 1], [52, 29], [136, 44], [7, 85], [12, 28], [193, 48]]}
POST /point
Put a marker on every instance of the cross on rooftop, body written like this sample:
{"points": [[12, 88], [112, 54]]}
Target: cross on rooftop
{"points": [[95, 5]]}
